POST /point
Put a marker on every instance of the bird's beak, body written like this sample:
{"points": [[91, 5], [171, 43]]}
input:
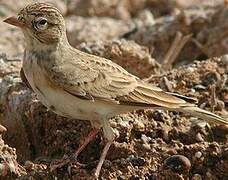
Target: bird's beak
{"points": [[14, 21]]}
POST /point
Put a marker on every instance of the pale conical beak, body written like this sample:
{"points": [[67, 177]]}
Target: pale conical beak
{"points": [[14, 21]]}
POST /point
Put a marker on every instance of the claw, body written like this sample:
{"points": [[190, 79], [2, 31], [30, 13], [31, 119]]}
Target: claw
{"points": [[70, 161]]}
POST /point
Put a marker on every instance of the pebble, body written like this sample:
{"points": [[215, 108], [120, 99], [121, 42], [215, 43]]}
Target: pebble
{"points": [[146, 147], [134, 177], [224, 60], [121, 177], [209, 175], [113, 124], [3, 170], [199, 137], [171, 152], [178, 163], [158, 115], [196, 177], [29, 165], [139, 126], [190, 69], [2, 129], [199, 87], [119, 172], [124, 124], [136, 161], [211, 78], [145, 138], [198, 154]]}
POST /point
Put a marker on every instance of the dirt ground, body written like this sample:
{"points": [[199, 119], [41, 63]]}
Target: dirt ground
{"points": [[181, 46]]}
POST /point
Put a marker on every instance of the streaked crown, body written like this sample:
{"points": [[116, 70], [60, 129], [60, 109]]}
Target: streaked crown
{"points": [[43, 21]]}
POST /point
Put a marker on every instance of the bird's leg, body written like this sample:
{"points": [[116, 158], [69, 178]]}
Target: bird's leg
{"points": [[110, 135], [73, 158], [86, 141], [102, 158]]}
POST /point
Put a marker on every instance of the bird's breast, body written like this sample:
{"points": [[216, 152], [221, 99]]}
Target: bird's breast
{"points": [[58, 100]]}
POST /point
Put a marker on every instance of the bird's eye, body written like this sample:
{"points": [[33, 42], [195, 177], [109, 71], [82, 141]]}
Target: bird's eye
{"points": [[41, 23]]}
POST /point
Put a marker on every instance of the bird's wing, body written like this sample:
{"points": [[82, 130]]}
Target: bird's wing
{"points": [[91, 77]]}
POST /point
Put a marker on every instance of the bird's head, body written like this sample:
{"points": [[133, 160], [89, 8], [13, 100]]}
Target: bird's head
{"points": [[41, 23]]}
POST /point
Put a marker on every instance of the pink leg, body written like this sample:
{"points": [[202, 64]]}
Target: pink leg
{"points": [[83, 144], [102, 158], [86, 141]]}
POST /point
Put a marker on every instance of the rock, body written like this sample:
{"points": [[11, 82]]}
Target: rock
{"points": [[2, 129], [211, 78], [9, 167], [198, 154], [123, 9], [94, 29], [134, 58], [196, 177], [136, 161], [134, 177], [178, 163]]}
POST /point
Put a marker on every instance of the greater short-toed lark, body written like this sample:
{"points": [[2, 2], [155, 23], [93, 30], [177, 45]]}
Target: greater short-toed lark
{"points": [[79, 85]]}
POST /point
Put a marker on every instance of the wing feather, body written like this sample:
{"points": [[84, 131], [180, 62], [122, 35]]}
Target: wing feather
{"points": [[92, 77]]}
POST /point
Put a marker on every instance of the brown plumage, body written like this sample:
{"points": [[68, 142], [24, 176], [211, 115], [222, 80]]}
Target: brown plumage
{"points": [[83, 86]]}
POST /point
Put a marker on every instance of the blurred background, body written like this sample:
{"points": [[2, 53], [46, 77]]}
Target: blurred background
{"points": [[193, 29]]}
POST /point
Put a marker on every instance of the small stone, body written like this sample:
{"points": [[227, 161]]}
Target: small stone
{"points": [[165, 134], [123, 124], [121, 177], [193, 90], [2, 129], [139, 126], [166, 84], [136, 161], [211, 78], [158, 115], [178, 163], [119, 173], [3, 170], [134, 177], [196, 177], [199, 137], [146, 147], [209, 175], [145, 138], [199, 87], [113, 124], [220, 131], [171, 152], [224, 60], [29, 165], [190, 69], [198, 154], [220, 105]]}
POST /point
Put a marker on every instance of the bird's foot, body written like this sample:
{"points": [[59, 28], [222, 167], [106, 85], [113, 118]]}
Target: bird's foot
{"points": [[71, 162]]}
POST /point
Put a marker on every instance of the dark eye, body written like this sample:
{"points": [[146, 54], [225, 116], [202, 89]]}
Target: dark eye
{"points": [[41, 23]]}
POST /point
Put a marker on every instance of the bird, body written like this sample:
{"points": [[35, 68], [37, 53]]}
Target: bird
{"points": [[79, 85]]}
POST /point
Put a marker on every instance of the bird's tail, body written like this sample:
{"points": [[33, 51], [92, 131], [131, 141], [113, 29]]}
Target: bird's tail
{"points": [[148, 96], [203, 114]]}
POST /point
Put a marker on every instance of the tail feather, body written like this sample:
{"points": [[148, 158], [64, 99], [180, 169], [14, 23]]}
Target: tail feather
{"points": [[148, 96], [203, 114]]}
